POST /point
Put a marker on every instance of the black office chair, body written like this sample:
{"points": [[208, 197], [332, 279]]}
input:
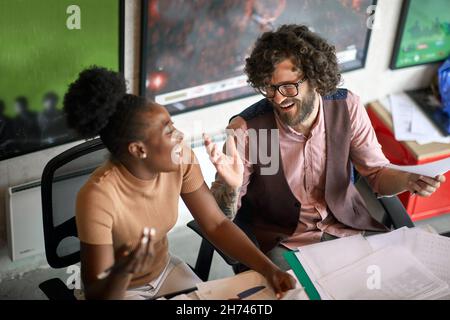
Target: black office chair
{"points": [[61, 179], [388, 210]]}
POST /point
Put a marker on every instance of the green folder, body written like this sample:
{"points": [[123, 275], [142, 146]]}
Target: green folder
{"points": [[301, 274]]}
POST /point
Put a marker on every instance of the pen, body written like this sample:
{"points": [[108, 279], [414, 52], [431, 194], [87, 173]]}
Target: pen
{"points": [[249, 292], [144, 241]]}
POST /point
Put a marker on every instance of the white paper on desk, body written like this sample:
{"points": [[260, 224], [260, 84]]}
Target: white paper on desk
{"points": [[328, 256], [430, 248], [403, 237], [322, 258], [298, 293], [433, 251], [396, 237], [295, 294], [402, 277], [431, 169], [322, 293]]}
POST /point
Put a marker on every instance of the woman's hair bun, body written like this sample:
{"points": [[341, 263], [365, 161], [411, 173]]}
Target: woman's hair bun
{"points": [[92, 99]]}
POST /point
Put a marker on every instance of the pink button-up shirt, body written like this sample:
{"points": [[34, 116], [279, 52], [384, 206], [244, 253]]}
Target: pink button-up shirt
{"points": [[304, 164]]}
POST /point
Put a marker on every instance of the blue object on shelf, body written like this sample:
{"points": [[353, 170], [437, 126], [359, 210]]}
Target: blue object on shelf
{"points": [[444, 85]]}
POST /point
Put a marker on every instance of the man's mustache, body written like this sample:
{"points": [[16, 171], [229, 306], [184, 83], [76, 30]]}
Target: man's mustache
{"points": [[285, 103]]}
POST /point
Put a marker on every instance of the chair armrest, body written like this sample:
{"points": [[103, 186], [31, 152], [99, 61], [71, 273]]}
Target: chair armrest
{"points": [[56, 289], [387, 210], [194, 226], [397, 213]]}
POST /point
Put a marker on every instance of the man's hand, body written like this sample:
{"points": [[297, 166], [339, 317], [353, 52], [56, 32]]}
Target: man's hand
{"points": [[422, 185], [229, 167]]}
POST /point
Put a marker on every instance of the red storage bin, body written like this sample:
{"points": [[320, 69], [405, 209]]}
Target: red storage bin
{"points": [[411, 153]]}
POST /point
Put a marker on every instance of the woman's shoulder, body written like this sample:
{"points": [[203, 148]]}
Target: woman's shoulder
{"points": [[100, 182], [190, 172]]}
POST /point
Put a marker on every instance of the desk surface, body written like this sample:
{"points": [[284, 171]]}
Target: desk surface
{"points": [[232, 287], [421, 152]]}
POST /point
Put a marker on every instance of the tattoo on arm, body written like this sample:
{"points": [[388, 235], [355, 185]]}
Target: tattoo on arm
{"points": [[226, 198]]}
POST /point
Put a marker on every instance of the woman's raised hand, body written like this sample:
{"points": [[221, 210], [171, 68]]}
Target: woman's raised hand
{"points": [[134, 260]]}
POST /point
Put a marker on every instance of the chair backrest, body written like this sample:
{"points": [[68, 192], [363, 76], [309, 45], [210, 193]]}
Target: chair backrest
{"points": [[61, 180]]}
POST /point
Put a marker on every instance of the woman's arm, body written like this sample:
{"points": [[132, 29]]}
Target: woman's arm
{"points": [[231, 240]]}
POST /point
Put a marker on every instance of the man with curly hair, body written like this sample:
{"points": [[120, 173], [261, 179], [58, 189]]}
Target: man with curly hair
{"points": [[321, 133]]}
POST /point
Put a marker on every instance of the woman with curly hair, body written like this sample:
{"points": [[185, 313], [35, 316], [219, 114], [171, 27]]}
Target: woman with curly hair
{"points": [[128, 205], [321, 133]]}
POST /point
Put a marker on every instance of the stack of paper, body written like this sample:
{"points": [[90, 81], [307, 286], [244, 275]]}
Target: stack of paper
{"points": [[431, 249], [403, 264], [410, 123]]}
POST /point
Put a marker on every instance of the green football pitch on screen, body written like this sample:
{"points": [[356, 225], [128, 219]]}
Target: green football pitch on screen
{"points": [[426, 34], [46, 43]]}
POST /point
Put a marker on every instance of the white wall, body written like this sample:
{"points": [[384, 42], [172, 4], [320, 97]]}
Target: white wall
{"points": [[375, 81]]}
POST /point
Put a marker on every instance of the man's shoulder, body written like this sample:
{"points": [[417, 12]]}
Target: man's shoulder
{"points": [[351, 99], [339, 94], [240, 121]]}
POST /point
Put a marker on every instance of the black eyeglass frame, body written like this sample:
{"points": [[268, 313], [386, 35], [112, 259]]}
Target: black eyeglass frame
{"points": [[277, 88]]}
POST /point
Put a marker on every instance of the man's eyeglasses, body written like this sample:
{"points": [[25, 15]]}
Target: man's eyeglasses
{"points": [[286, 89]]}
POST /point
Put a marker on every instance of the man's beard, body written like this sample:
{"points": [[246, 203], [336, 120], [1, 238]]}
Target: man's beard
{"points": [[304, 109]]}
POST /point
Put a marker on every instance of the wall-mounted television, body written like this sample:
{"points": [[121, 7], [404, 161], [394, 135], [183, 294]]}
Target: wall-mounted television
{"points": [[423, 34], [44, 45], [193, 52]]}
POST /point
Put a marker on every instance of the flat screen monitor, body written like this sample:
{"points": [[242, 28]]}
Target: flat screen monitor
{"points": [[44, 46], [423, 34], [193, 52]]}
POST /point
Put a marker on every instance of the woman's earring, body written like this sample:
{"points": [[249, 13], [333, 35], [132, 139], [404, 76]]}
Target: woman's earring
{"points": [[144, 156]]}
